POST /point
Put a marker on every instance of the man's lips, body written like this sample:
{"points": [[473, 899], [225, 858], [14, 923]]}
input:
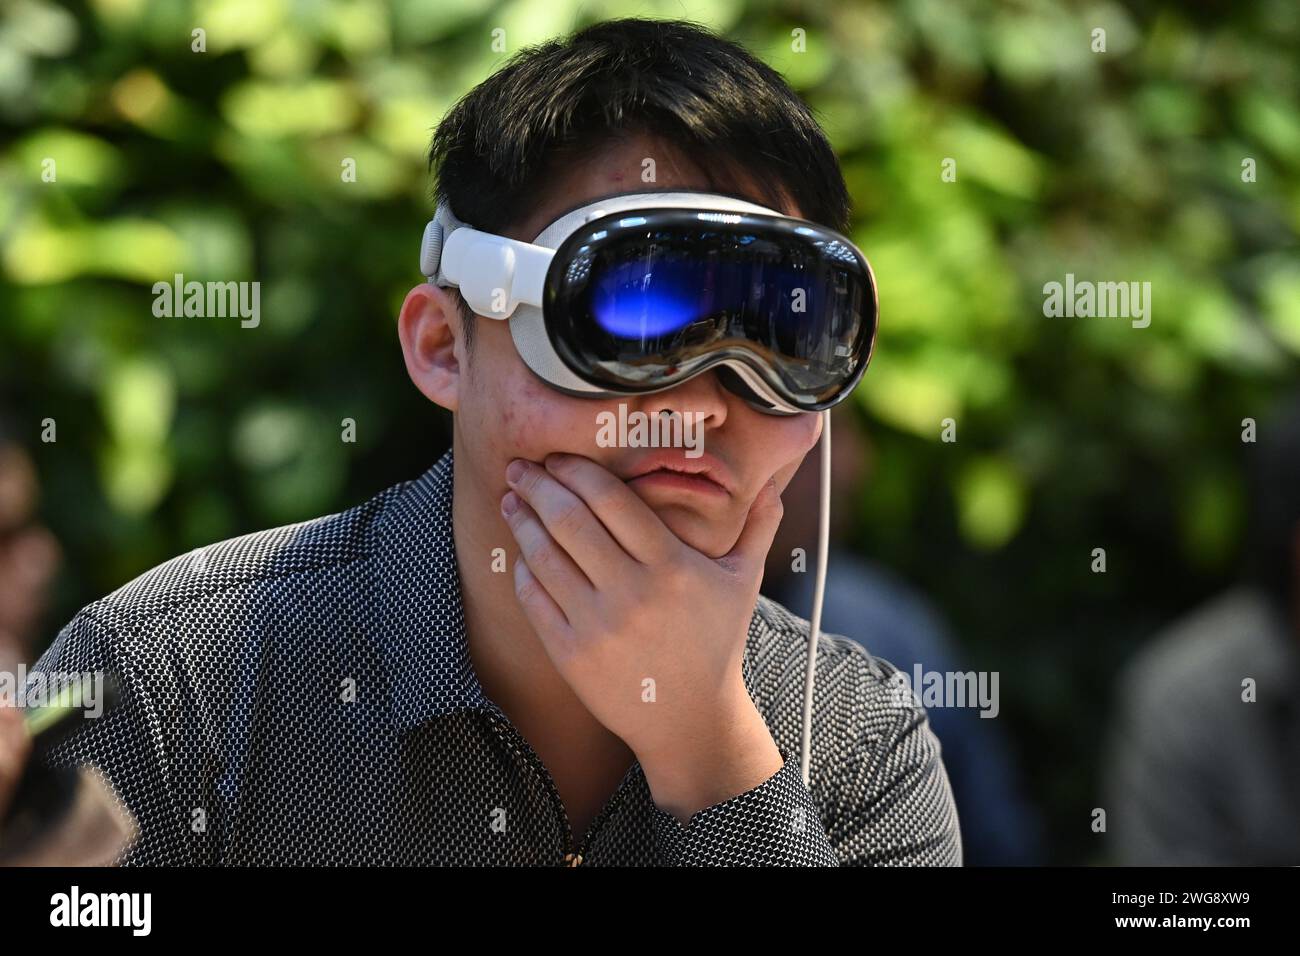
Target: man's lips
{"points": [[672, 469]]}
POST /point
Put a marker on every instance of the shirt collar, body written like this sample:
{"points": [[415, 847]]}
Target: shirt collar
{"points": [[426, 646], [426, 650]]}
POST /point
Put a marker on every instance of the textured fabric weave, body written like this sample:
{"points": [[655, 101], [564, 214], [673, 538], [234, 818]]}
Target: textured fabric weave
{"points": [[304, 695]]}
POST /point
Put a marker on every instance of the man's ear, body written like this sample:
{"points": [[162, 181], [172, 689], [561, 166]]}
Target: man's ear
{"points": [[430, 331]]}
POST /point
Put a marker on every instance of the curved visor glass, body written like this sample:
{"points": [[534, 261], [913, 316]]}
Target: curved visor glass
{"points": [[637, 301]]}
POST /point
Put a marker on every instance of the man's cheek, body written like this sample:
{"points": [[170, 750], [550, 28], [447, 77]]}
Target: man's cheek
{"points": [[785, 474], [783, 478], [813, 422], [527, 417], [809, 445], [539, 421]]}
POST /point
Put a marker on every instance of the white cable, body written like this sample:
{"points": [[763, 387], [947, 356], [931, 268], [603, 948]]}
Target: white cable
{"points": [[814, 630]]}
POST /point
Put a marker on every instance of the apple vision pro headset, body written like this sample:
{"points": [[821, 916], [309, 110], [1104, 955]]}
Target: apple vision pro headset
{"points": [[637, 293]]}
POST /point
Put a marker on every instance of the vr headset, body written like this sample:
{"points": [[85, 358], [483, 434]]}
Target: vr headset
{"points": [[637, 293]]}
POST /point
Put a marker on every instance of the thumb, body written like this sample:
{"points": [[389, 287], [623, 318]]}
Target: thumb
{"points": [[750, 550]]}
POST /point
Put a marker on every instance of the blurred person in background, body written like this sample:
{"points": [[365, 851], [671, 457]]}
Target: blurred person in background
{"points": [[1205, 751], [70, 819], [22, 550], [29, 554], [874, 607]]}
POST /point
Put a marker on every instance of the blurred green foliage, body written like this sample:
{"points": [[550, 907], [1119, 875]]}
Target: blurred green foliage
{"points": [[1072, 434]]}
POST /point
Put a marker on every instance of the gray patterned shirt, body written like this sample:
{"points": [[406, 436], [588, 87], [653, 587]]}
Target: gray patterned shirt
{"points": [[304, 695]]}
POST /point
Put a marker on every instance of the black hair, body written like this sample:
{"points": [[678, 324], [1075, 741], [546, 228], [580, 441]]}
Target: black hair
{"points": [[1272, 559], [735, 117]]}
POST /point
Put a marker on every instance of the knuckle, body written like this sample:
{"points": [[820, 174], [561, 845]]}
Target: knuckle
{"points": [[563, 465], [543, 559], [528, 482], [570, 516], [610, 502]]}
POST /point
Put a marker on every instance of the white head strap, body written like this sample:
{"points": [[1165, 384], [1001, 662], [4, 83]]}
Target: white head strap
{"points": [[496, 274]]}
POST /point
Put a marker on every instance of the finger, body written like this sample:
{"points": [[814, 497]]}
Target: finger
{"points": [[11, 722], [632, 523], [15, 745], [570, 522], [563, 580], [546, 617], [750, 550]]}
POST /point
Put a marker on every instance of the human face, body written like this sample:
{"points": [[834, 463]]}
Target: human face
{"points": [[503, 411]]}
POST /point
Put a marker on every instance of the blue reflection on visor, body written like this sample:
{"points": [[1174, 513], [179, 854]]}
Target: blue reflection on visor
{"points": [[632, 302], [637, 300]]}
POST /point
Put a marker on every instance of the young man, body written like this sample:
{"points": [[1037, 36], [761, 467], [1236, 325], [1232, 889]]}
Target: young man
{"points": [[544, 650]]}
